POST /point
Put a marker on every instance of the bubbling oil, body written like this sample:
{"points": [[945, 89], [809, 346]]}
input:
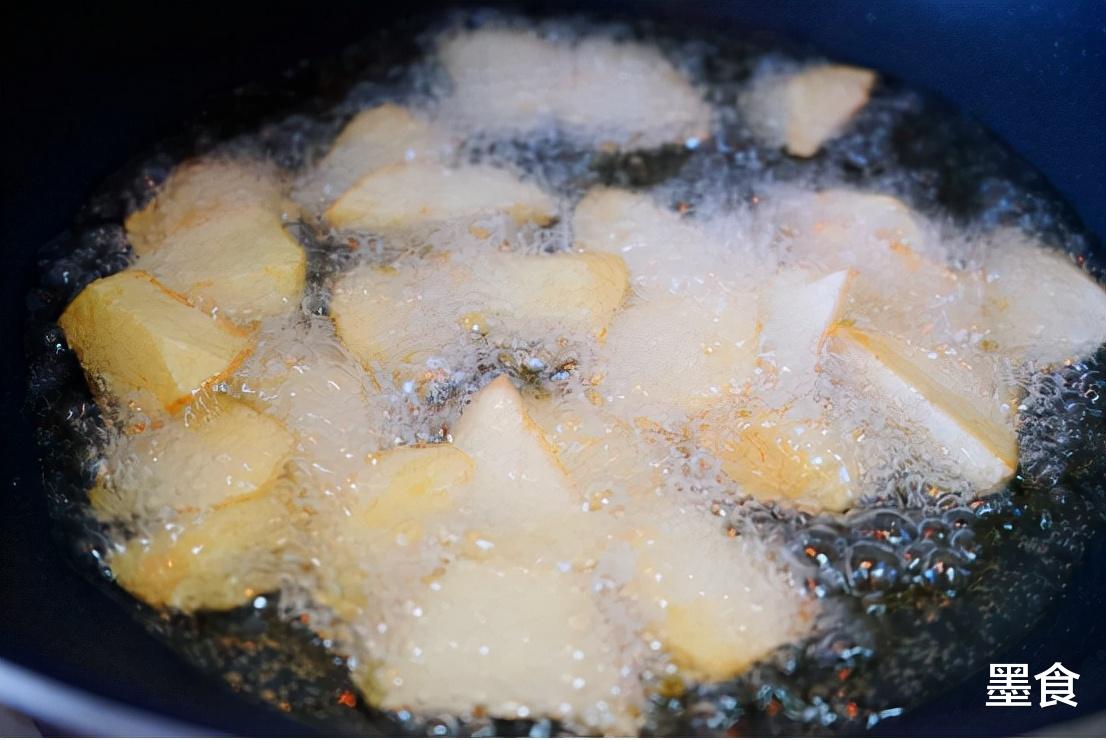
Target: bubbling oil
{"points": [[896, 578]]}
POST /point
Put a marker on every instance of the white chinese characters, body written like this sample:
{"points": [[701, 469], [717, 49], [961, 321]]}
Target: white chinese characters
{"points": [[1009, 685], [1057, 685]]}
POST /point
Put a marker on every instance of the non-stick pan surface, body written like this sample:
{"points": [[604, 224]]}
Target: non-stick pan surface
{"points": [[85, 90]]}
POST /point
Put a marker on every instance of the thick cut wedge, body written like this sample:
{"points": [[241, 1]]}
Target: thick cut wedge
{"points": [[664, 251], [218, 456], [402, 316], [130, 333], [796, 311], [241, 264], [716, 603], [201, 191], [521, 500], [403, 196], [1041, 305], [964, 410], [511, 641], [777, 456], [215, 233], [378, 137], [678, 354], [602, 454], [622, 93], [803, 110], [217, 560]]}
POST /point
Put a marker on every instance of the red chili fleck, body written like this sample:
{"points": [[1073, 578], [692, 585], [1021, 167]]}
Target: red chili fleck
{"points": [[348, 699]]}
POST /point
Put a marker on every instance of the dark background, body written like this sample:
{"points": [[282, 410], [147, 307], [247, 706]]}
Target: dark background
{"points": [[85, 88]]}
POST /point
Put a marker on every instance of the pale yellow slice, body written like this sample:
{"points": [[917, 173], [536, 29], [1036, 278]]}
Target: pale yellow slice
{"points": [[1041, 304], [403, 196], [200, 191], [521, 499], [618, 92], [130, 333], [964, 410], [678, 354], [716, 603], [241, 264], [384, 135], [776, 455], [805, 109], [216, 560], [664, 251], [514, 642], [402, 316], [212, 458], [796, 311], [215, 233]]}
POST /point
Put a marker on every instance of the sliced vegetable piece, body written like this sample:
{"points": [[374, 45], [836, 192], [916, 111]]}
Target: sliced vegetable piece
{"points": [[219, 559], [1041, 305], [963, 409], [218, 456], [402, 196], [617, 92], [132, 334], [384, 135]]}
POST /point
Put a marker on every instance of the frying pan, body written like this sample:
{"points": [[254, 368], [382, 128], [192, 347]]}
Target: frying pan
{"points": [[87, 89]]}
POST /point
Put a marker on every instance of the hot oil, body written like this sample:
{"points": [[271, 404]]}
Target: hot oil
{"points": [[917, 585]]}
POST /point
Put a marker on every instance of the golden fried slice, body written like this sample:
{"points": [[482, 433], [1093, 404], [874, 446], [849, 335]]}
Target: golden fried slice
{"points": [[384, 135], [130, 333], [900, 281], [802, 110], [622, 93], [219, 559], [963, 409], [796, 311], [1041, 305], [402, 316], [678, 354], [662, 250], [601, 453], [241, 264], [514, 642], [200, 191], [716, 603], [215, 233], [402, 196], [218, 456], [776, 455]]}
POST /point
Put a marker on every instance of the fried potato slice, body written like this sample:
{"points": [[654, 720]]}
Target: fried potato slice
{"points": [[384, 135], [616, 92], [218, 559], [601, 453], [221, 455], [664, 251], [900, 280], [403, 196], [678, 354], [965, 410], [1040, 304], [215, 233], [803, 110], [778, 455], [716, 603], [243, 265], [478, 636], [132, 334], [402, 316], [796, 311], [204, 190]]}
